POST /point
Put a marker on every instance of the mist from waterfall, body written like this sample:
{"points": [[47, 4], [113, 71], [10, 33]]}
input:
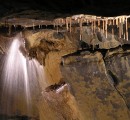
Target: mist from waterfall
{"points": [[20, 78]]}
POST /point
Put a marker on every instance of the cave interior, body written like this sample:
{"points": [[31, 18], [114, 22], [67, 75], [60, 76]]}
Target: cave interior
{"points": [[65, 60]]}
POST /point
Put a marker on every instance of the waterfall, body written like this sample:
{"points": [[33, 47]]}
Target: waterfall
{"points": [[20, 78]]}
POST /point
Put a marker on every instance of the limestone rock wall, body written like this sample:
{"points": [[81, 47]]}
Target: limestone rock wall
{"points": [[118, 66], [96, 97], [92, 92], [81, 83]]}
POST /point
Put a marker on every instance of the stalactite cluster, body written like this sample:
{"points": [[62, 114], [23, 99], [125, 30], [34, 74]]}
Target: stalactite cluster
{"points": [[97, 23]]}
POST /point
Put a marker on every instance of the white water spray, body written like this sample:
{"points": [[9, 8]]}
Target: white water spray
{"points": [[20, 75]]}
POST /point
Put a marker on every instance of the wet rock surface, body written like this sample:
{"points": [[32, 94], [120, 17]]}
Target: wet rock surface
{"points": [[96, 79], [118, 64], [60, 103], [92, 88]]}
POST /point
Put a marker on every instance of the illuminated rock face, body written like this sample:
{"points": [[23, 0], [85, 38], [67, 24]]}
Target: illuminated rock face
{"points": [[118, 65], [96, 81], [93, 89]]}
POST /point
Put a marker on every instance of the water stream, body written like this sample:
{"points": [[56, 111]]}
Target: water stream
{"points": [[20, 78]]}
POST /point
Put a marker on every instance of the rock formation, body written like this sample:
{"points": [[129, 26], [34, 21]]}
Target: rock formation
{"points": [[86, 65]]}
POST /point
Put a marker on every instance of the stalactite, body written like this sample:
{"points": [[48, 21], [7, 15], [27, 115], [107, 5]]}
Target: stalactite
{"points": [[126, 30], [117, 22], [70, 23], [119, 31], [78, 20], [67, 27], [123, 19], [80, 24], [100, 22], [110, 22], [62, 22], [94, 26], [59, 22], [106, 26], [90, 20], [122, 22], [119, 27], [103, 25], [99, 25]]}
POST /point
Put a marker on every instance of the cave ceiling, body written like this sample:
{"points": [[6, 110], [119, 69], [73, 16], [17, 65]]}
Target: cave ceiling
{"points": [[51, 9]]}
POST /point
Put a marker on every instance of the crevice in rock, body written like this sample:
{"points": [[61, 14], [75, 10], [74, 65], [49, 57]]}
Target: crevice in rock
{"points": [[123, 98], [113, 78], [114, 82]]}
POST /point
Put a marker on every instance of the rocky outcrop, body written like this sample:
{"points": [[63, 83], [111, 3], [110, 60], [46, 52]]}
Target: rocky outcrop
{"points": [[96, 96], [48, 47], [59, 104], [117, 64], [99, 39], [91, 84], [95, 82]]}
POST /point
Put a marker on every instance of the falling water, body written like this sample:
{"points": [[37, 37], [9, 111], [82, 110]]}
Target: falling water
{"points": [[20, 78]]}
